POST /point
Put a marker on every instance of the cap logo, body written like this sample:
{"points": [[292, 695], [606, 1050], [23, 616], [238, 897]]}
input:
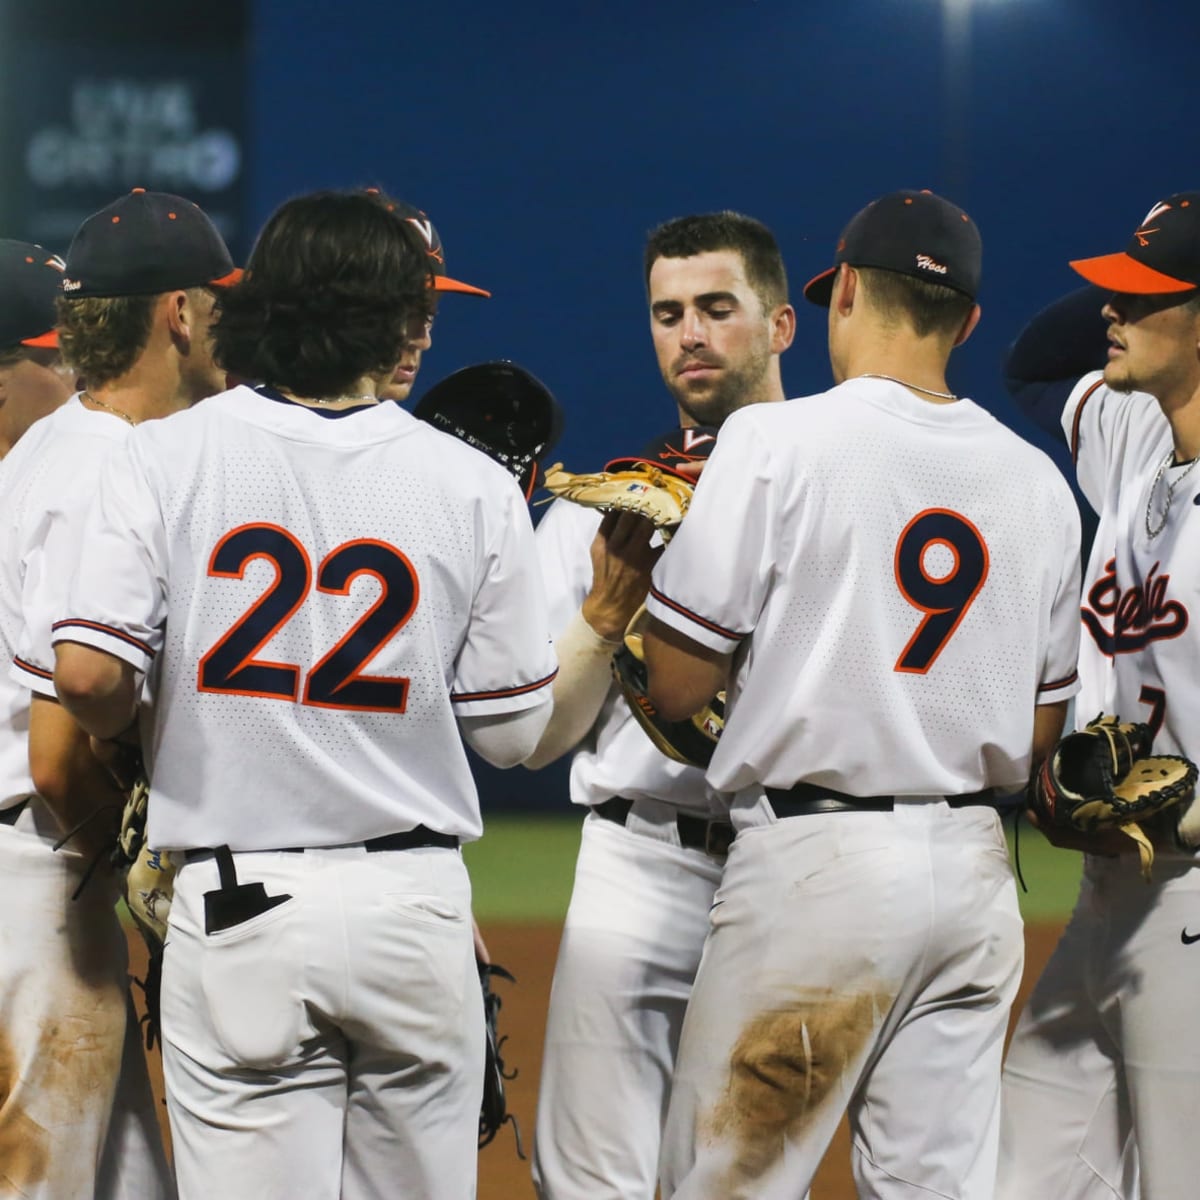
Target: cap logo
{"points": [[425, 228], [56, 262], [72, 285], [1156, 212], [929, 264], [1143, 235], [692, 439]]}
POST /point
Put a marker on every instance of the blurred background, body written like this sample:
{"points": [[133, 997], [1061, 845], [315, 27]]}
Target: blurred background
{"points": [[545, 141]]}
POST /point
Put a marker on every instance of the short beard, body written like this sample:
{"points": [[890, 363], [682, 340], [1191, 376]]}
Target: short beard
{"points": [[736, 389]]}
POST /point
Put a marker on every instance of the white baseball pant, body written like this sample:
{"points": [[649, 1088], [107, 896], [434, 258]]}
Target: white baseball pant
{"points": [[331, 1047], [630, 947], [862, 962], [77, 1118], [1103, 1074]]}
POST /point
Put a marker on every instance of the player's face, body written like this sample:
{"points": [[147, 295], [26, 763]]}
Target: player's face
{"points": [[30, 389], [714, 342], [419, 340], [1153, 345]]}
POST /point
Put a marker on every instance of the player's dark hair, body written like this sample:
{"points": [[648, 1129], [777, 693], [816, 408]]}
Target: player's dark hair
{"points": [[928, 308], [685, 237], [102, 336], [329, 294]]}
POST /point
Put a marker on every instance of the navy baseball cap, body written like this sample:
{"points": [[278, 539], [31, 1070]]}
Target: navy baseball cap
{"points": [[30, 281], [433, 245], [1163, 255], [146, 243], [913, 233]]}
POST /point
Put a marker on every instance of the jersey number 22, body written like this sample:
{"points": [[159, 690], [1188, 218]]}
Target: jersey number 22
{"points": [[337, 680]]}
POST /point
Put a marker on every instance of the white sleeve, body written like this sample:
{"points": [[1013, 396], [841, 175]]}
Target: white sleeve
{"points": [[505, 739], [507, 660], [117, 601], [1060, 677], [49, 554], [712, 580], [1099, 424]]}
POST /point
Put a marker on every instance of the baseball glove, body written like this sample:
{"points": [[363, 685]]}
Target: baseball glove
{"points": [[658, 495], [691, 741], [1102, 778], [149, 875], [501, 410], [653, 483], [494, 1112]]}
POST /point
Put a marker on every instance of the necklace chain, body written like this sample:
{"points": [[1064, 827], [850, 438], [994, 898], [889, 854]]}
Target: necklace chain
{"points": [[112, 408], [915, 386], [1172, 484], [334, 399]]}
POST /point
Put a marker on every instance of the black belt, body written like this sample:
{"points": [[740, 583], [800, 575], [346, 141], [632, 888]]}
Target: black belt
{"points": [[9, 816], [713, 837], [807, 799], [410, 839]]}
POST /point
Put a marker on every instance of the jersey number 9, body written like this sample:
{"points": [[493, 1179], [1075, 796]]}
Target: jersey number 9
{"points": [[944, 598]]}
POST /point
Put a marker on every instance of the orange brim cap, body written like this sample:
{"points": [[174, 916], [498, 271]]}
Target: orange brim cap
{"points": [[443, 283], [234, 276], [1121, 273], [48, 341]]}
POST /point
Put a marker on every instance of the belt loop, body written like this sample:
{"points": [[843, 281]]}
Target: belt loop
{"points": [[225, 867]]}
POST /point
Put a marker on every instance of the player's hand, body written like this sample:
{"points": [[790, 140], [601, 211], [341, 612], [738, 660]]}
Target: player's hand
{"points": [[1105, 843], [622, 559], [692, 470], [481, 950]]}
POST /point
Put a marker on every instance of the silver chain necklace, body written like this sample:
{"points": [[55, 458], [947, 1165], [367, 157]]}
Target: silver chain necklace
{"points": [[1171, 486], [915, 386]]}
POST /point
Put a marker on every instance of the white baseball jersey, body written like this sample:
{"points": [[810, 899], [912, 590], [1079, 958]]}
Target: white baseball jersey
{"points": [[1138, 657], [616, 758], [47, 482], [340, 585], [899, 580]]}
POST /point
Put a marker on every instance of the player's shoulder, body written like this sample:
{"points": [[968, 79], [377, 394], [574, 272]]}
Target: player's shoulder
{"points": [[64, 448]]}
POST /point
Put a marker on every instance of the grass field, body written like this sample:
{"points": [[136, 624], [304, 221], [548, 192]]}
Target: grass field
{"points": [[523, 867]]}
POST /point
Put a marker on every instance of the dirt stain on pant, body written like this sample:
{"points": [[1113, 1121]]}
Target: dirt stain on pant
{"points": [[56, 1094], [24, 1152], [786, 1064]]}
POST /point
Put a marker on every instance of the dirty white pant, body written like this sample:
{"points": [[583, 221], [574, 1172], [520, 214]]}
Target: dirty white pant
{"points": [[77, 1118], [862, 962]]}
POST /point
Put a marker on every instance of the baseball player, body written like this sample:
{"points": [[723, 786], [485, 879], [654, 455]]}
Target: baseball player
{"points": [[33, 380], [401, 384], [653, 841], [328, 596], [1101, 1079], [883, 577], [134, 321]]}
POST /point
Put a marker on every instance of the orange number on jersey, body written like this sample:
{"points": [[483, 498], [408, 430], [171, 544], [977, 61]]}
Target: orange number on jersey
{"points": [[337, 680], [944, 599]]}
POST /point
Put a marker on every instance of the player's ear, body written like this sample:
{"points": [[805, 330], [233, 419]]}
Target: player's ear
{"points": [[178, 313], [783, 328], [968, 326], [845, 288]]}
